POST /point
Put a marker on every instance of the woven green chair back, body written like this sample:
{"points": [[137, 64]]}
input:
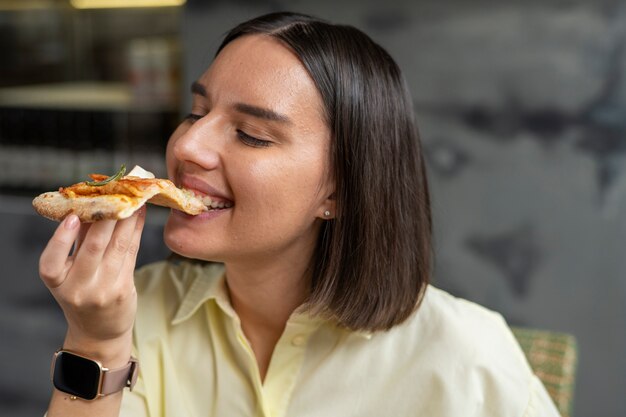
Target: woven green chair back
{"points": [[553, 357]]}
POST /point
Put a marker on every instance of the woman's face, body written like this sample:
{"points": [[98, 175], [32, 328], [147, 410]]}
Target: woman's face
{"points": [[257, 144]]}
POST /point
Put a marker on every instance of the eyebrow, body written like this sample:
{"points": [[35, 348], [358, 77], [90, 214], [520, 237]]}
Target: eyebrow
{"points": [[255, 111], [197, 88], [261, 113]]}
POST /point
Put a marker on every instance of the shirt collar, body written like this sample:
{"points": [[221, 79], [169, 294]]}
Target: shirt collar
{"points": [[209, 283]]}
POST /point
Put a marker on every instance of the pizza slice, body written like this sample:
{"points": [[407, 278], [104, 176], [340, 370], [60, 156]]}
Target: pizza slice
{"points": [[115, 197]]}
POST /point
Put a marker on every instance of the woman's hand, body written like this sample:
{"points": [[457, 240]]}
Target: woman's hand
{"points": [[94, 285]]}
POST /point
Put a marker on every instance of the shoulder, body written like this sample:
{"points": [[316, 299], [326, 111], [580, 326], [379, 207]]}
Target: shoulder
{"points": [[450, 318], [471, 332], [457, 357], [460, 343]]}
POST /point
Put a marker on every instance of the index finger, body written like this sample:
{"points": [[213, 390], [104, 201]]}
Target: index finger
{"points": [[82, 233], [53, 260]]}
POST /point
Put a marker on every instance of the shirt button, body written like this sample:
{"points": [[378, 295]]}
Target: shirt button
{"points": [[298, 340]]}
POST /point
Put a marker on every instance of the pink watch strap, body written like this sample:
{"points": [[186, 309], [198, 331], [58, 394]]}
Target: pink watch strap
{"points": [[114, 380]]}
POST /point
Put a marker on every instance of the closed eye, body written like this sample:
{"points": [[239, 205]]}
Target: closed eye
{"points": [[252, 141], [192, 117]]}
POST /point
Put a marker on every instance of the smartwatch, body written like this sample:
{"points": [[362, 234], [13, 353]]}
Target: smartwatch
{"points": [[85, 378]]}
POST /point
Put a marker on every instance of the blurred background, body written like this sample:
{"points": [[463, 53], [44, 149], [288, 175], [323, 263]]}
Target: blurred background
{"points": [[521, 107]]}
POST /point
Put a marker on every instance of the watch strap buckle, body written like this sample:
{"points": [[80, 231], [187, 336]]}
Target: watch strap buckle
{"points": [[133, 373], [115, 380]]}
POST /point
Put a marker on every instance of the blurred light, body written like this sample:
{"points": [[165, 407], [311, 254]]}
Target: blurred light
{"points": [[112, 4]]}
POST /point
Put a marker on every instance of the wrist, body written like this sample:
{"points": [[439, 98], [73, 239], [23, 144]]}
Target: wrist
{"points": [[111, 353]]}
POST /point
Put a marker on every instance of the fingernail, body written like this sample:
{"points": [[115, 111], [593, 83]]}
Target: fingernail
{"points": [[71, 222]]}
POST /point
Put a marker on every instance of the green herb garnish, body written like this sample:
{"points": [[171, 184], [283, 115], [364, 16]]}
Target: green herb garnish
{"points": [[115, 177]]}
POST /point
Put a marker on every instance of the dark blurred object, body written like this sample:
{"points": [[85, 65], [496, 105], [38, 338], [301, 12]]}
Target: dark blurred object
{"points": [[35, 45], [54, 135], [83, 91]]}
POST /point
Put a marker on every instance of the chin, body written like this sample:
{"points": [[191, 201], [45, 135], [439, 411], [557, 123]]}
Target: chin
{"points": [[179, 241], [189, 253], [185, 244]]}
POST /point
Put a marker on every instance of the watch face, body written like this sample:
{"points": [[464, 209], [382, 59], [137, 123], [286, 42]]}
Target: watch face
{"points": [[76, 375]]}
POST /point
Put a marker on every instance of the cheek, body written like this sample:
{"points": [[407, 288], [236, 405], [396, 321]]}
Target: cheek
{"points": [[285, 187], [262, 186]]}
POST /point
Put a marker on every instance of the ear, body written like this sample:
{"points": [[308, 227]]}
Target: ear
{"points": [[328, 208]]}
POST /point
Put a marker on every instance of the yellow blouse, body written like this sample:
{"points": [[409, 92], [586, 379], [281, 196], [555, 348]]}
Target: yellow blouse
{"points": [[451, 358]]}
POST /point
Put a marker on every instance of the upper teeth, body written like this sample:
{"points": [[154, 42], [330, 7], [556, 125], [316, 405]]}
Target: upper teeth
{"points": [[215, 204], [207, 201]]}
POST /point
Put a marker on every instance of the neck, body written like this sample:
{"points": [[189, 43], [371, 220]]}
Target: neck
{"points": [[264, 295], [266, 289]]}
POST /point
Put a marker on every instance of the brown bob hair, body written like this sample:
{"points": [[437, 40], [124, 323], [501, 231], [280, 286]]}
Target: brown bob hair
{"points": [[373, 260]]}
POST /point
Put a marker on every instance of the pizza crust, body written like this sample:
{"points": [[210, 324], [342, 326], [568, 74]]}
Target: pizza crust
{"points": [[55, 206], [110, 202]]}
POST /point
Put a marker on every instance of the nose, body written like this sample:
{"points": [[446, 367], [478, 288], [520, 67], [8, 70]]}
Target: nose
{"points": [[199, 143]]}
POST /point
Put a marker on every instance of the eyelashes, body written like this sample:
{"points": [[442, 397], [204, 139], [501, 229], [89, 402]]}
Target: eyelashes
{"points": [[252, 141], [243, 136], [193, 117]]}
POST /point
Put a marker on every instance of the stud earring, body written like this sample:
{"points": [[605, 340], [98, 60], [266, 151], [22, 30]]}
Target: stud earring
{"points": [[326, 213]]}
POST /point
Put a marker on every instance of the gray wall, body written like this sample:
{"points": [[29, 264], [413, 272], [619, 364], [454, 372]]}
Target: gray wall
{"points": [[522, 110]]}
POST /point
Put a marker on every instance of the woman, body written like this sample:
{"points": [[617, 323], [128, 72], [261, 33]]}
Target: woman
{"points": [[315, 299]]}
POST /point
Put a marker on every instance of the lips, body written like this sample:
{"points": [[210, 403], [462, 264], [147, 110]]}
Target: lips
{"points": [[210, 196]]}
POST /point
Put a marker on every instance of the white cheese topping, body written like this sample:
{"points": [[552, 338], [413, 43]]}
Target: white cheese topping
{"points": [[139, 172]]}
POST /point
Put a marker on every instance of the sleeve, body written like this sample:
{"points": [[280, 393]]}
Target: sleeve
{"points": [[540, 403], [134, 402]]}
